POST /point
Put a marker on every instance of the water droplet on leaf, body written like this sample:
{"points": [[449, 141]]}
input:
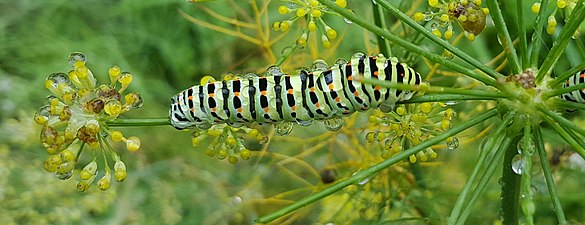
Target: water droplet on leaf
{"points": [[333, 124]]}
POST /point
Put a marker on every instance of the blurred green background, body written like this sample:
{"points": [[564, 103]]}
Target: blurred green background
{"points": [[169, 181]]}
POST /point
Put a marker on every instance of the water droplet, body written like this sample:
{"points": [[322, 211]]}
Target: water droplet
{"points": [[520, 147], [358, 55], [305, 123], [263, 139], [340, 61], [501, 181], [76, 56], [518, 163], [447, 54], [347, 20], [453, 143], [364, 181], [42, 115], [576, 34], [287, 51], [64, 176], [375, 2], [136, 100], [249, 76], [319, 65], [59, 78], [237, 200], [428, 16], [450, 103], [274, 71], [283, 127], [203, 125], [333, 124]]}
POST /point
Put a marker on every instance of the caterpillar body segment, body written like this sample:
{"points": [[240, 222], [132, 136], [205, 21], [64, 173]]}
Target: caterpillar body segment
{"points": [[577, 95], [322, 93]]}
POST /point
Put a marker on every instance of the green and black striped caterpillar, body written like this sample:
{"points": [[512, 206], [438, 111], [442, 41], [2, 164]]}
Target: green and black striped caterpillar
{"points": [[322, 93], [577, 95]]}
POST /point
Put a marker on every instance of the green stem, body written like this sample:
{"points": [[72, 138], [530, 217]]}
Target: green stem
{"points": [[556, 92], [443, 98], [561, 120], [484, 179], [537, 35], [568, 105], [383, 45], [523, 51], [577, 147], [479, 166], [417, 49], [147, 122], [365, 174], [510, 187], [433, 89], [565, 76], [550, 182], [504, 35], [576, 18], [527, 151], [287, 52]]}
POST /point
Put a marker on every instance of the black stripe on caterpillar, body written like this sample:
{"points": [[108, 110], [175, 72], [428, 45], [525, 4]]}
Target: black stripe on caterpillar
{"points": [[323, 93]]}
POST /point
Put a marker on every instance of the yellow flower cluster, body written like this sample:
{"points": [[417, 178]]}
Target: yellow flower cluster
{"points": [[409, 125], [75, 116], [467, 13], [311, 11], [567, 6]]}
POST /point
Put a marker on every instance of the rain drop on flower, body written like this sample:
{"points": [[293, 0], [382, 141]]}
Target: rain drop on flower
{"points": [[453, 143]]}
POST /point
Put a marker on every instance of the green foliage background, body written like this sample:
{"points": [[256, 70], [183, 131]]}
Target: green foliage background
{"points": [[169, 181]]}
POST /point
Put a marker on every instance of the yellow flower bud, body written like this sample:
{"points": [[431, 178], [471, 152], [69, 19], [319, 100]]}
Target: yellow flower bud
{"points": [[426, 107], [104, 182], [117, 136], [301, 12], [316, 13], [285, 25], [433, 3], [341, 3], [331, 33], [133, 143], [245, 154], [448, 34], [283, 10], [561, 4], [418, 16], [233, 159], [401, 110], [312, 26], [536, 7], [444, 18]]}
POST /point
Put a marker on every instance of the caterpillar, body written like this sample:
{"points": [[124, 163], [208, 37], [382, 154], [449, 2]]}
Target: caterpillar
{"points": [[577, 95], [322, 93]]}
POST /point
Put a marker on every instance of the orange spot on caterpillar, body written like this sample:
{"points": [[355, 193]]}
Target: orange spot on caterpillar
{"points": [[376, 73], [317, 105], [240, 109], [293, 108], [192, 109], [290, 91], [266, 109], [263, 92], [331, 86], [338, 99], [356, 93], [312, 89], [214, 109], [237, 94], [350, 78], [211, 95], [377, 88], [190, 97]]}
